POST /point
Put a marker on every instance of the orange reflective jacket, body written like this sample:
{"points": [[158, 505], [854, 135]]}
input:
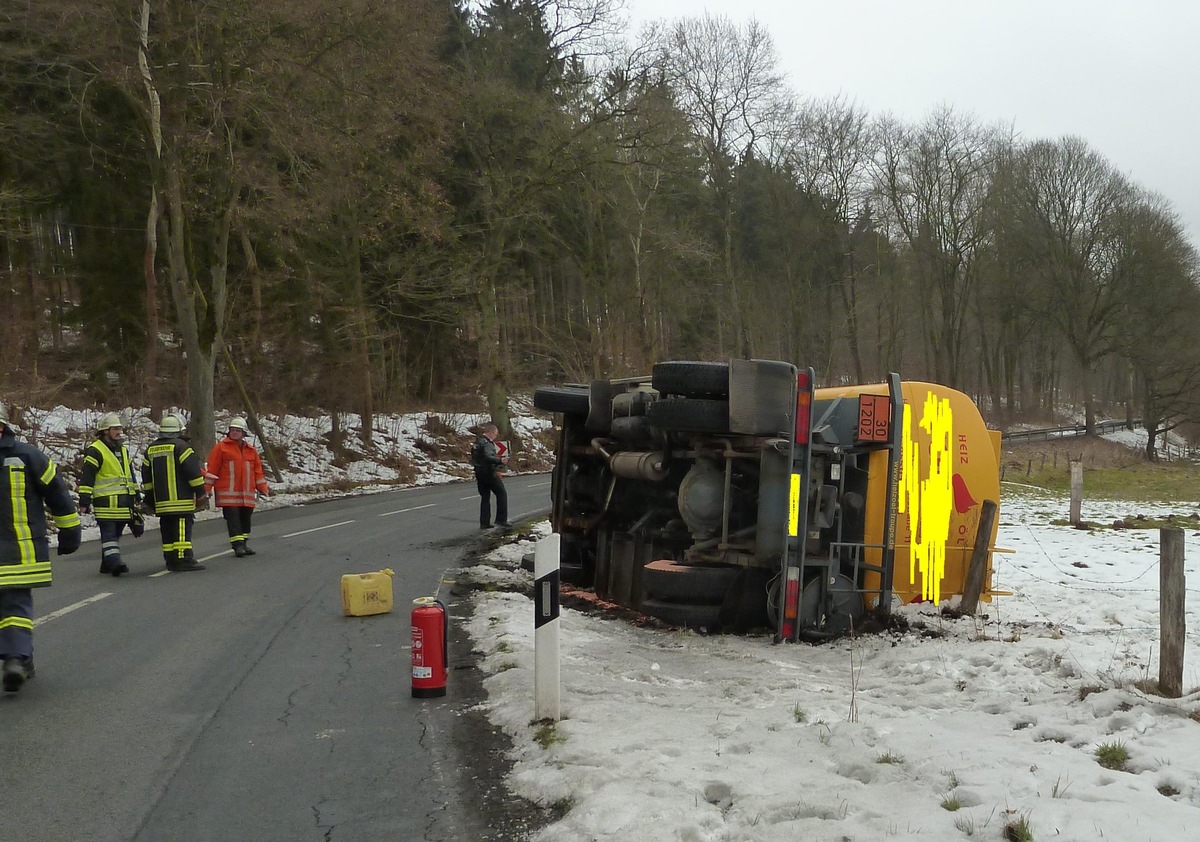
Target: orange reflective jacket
{"points": [[234, 471]]}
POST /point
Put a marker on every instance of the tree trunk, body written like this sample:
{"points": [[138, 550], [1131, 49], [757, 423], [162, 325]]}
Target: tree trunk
{"points": [[360, 322], [149, 267]]}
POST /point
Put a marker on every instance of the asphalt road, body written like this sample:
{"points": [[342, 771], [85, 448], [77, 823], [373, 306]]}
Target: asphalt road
{"points": [[239, 703]]}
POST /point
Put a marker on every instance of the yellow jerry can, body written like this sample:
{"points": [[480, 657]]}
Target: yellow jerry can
{"points": [[367, 593]]}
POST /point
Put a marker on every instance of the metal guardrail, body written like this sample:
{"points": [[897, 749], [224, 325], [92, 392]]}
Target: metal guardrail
{"points": [[1048, 433]]}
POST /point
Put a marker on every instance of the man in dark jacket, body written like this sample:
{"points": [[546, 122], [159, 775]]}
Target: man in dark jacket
{"points": [[29, 483], [174, 489], [488, 464], [106, 486]]}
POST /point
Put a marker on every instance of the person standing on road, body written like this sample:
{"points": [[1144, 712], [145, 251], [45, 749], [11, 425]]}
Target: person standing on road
{"points": [[488, 465], [234, 469], [29, 483], [107, 487], [174, 491]]}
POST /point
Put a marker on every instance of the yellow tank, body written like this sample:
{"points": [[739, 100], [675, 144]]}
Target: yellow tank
{"points": [[950, 464], [367, 593]]}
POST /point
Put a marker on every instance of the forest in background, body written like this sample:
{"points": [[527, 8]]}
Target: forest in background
{"points": [[376, 205]]}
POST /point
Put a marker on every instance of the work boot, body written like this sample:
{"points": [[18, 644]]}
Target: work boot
{"points": [[246, 548], [119, 568], [239, 550], [16, 672], [187, 565]]}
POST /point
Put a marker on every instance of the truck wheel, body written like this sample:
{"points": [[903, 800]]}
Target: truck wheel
{"points": [[690, 415], [668, 579], [691, 379], [745, 606], [683, 614], [565, 399]]}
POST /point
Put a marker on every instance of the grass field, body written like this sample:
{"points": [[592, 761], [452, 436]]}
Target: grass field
{"points": [[1111, 471]]}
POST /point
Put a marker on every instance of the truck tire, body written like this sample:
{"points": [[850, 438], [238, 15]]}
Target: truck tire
{"points": [[746, 605], [683, 614], [691, 379], [690, 415], [668, 579], [565, 399]]}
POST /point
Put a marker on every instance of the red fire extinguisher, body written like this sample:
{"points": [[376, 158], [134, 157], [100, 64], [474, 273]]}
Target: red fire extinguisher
{"points": [[430, 638]]}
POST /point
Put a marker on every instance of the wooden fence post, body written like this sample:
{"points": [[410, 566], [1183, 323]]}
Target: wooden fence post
{"points": [[979, 556], [1171, 596]]}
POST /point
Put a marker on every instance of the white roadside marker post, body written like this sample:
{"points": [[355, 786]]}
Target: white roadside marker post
{"points": [[545, 628]]}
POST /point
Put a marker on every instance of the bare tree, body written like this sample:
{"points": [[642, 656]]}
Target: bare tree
{"points": [[728, 84], [1157, 326], [1071, 203], [834, 147], [934, 180]]}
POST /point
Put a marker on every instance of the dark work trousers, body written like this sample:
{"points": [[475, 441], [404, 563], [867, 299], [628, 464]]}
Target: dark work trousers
{"points": [[16, 623], [176, 531], [237, 522], [110, 537], [489, 482]]}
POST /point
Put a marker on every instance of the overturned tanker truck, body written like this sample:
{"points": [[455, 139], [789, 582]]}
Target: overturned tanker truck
{"points": [[736, 496]]}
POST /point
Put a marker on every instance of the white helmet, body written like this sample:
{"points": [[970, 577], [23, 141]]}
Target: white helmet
{"points": [[238, 423], [170, 423], [3, 414], [109, 420]]}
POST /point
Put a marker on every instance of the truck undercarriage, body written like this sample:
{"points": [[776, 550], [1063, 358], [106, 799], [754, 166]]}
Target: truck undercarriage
{"points": [[730, 496]]}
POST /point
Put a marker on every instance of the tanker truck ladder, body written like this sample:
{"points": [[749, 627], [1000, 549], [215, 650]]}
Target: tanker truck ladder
{"points": [[836, 563]]}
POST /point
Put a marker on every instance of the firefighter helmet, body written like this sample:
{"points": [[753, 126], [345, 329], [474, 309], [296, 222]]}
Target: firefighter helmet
{"points": [[109, 420], [170, 423], [238, 423]]}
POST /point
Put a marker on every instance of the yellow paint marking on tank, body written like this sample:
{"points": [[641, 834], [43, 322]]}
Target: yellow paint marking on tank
{"points": [[927, 493]]}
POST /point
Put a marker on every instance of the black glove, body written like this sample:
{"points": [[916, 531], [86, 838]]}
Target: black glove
{"points": [[68, 539], [202, 503], [137, 525], [85, 504]]}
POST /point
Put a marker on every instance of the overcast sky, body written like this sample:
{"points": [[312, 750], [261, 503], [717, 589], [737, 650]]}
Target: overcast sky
{"points": [[1122, 74]]}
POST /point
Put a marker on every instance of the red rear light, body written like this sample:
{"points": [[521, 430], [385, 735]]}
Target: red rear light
{"points": [[803, 406], [791, 604]]}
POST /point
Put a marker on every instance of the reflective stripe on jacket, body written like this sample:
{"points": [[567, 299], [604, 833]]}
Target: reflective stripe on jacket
{"points": [[107, 482], [171, 476], [235, 472], [29, 482]]}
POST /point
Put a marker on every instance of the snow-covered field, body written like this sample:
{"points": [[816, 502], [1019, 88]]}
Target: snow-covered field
{"points": [[951, 730]]}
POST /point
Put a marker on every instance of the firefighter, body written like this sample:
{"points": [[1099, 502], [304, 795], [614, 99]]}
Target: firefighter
{"points": [[28, 484], [174, 488], [234, 469], [108, 488]]}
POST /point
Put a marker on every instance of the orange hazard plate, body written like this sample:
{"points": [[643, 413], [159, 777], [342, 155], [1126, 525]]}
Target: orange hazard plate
{"points": [[874, 418]]}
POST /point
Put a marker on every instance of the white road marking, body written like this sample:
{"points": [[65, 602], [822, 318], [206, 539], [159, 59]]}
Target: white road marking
{"points": [[316, 529], [159, 573], [472, 497], [539, 485], [412, 509], [54, 615]]}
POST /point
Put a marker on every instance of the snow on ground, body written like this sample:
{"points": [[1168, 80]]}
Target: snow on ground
{"points": [[423, 448], [950, 730]]}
